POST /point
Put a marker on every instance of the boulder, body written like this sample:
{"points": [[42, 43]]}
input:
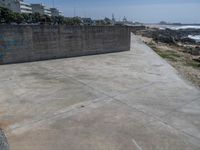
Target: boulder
{"points": [[187, 40], [195, 51], [196, 58], [165, 39]]}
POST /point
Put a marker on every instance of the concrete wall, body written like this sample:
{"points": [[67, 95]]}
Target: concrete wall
{"points": [[33, 43]]}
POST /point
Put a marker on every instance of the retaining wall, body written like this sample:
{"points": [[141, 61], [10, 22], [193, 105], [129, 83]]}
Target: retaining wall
{"points": [[24, 43]]}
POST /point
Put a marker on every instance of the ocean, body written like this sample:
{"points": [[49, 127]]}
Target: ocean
{"points": [[195, 37], [183, 27], [173, 27]]}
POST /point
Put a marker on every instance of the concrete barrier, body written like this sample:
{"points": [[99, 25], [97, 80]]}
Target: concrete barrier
{"points": [[24, 43]]}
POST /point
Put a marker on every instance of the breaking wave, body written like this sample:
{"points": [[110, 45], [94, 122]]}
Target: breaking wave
{"points": [[194, 37]]}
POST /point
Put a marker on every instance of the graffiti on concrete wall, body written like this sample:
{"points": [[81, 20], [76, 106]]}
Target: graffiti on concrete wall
{"points": [[5, 46], [2, 46]]}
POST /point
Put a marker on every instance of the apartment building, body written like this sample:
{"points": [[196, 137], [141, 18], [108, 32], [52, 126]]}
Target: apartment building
{"points": [[55, 12], [25, 7], [18, 6], [40, 8]]}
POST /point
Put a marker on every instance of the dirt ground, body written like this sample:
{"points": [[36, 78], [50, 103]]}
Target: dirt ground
{"points": [[180, 60]]}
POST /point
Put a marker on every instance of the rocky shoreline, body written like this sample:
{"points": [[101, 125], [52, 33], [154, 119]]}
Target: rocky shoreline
{"points": [[180, 51], [174, 37], [171, 36]]}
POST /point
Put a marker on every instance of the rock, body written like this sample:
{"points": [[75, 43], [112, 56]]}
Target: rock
{"points": [[170, 36], [195, 52], [3, 141], [187, 40], [196, 58], [165, 39], [197, 47]]}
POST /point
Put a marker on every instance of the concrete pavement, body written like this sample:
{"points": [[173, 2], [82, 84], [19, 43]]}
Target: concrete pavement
{"points": [[130, 100]]}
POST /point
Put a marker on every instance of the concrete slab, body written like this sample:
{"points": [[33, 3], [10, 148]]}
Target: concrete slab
{"points": [[119, 101], [112, 126], [159, 98], [186, 118]]}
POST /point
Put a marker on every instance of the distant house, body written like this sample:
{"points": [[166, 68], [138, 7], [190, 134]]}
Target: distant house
{"points": [[99, 22], [108, 21], [87, 21], [103, 22], [18, 6]]}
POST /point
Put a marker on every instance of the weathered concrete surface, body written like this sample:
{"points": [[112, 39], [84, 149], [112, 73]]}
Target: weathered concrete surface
{"points": [[25, 43], [130, 100]]}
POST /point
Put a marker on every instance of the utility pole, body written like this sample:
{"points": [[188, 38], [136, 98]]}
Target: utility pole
{"points": [[74, 8], [74, 11], [53, 4], [113, 19]]}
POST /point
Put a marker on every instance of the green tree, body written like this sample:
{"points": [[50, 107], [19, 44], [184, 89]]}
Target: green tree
{"points": [[7, 16], [36, 18], [100, 23], [58, 20], [72, 21], [18, 18], [26, 17], [76, 21]]}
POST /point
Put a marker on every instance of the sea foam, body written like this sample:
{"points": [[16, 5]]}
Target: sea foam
{"points": [[194, 37], [184, 27]]}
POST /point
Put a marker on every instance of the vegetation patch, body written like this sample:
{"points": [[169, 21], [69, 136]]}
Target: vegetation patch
{"points": [[175, 56], [166, 54], [192, 63]]}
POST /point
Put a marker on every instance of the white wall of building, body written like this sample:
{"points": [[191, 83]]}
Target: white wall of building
{"points": [[21, 7], [16, 6], [39, 8]]}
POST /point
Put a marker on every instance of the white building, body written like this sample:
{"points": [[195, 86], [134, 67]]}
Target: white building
{"points": [[47, 11], [55, 12], [40, 8], [20, 6], [25, 7], [16, 6]]}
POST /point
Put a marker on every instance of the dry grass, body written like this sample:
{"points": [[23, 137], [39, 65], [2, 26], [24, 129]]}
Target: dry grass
{"points": [[175, 55]]}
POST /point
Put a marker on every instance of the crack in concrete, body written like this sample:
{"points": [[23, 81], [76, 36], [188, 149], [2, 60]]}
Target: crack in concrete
{"points": [[74, 109], [136, 144], [175, 110], [158, 119]]}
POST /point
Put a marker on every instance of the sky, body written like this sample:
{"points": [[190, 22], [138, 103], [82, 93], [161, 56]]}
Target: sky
{"points": [[145, 11]]}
